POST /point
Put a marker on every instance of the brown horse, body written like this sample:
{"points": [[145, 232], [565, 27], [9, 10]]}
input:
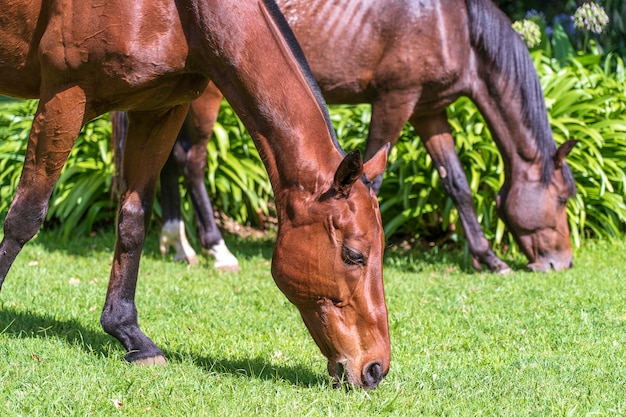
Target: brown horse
{"points": [[83, 58], [410, 60]]}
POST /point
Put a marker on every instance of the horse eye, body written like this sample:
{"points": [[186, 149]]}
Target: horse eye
{"points": [[352, 257], [562, 200]]}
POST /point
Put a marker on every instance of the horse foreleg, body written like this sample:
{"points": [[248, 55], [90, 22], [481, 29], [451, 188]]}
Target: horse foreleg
{"points": [[197, 133], [435, 134], [148, 143], [57, 123]]}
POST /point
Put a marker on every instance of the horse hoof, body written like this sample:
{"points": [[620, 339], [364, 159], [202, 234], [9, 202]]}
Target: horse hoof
{"points": [[173, 235], [505, 271], [154, 360], [224, 259], [228, 268]]}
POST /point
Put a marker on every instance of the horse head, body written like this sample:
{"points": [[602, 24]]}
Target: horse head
{"points": [[334, 275], [535, 211]]}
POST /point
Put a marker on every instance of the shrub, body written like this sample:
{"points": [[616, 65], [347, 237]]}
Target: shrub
{"points": [[81, 198], [586, 100], [588, 103]]}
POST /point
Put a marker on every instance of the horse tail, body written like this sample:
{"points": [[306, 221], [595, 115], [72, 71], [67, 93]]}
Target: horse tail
{"points": [[493, 38], [119, 126]]}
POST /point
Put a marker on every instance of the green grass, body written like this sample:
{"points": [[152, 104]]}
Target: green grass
{"points": [[463, 343]]}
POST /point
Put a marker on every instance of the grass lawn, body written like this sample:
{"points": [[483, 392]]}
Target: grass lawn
{"points": [[463, 343]]}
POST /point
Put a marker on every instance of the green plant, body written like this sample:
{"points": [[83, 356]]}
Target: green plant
{"points": [[413, 199], [588, 103], [237, 179], [81, 198], [16, 118]]}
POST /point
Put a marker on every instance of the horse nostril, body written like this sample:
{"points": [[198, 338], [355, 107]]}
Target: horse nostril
{"points": [[373, 375]]}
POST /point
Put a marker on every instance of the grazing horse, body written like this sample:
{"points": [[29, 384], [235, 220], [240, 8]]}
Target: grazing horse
{"points": [[410, 60], [85, 58]]}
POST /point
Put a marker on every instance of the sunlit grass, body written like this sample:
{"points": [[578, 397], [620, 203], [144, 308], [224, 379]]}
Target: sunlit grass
{"points": [[463, 343]]}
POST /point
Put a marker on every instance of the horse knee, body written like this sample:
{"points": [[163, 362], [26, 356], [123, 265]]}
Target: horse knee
{"points": [[131, 227], [456, 186], [23, 221]]}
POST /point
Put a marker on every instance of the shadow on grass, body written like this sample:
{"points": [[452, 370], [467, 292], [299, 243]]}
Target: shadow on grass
{"points": [[414, 257], [260, 368], [23, 325], [104, 241]]}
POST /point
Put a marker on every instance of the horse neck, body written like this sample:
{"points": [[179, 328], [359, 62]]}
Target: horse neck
{"points": [[266, 81], [508, 92], [503, 112]]}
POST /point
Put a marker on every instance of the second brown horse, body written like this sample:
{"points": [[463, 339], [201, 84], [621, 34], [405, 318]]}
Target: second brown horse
{"points": [[410, 60], [85, 58]]}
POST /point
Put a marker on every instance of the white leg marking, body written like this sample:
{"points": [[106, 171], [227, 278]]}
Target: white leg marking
{"points": [[224, 259], [173, 235]]}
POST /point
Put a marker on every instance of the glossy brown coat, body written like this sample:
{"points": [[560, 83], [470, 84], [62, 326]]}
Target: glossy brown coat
{"points": [[410, 59], [85, 58]]}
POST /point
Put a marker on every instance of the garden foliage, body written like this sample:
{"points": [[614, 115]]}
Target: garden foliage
{"points": [[82, 198], [585, 97]]}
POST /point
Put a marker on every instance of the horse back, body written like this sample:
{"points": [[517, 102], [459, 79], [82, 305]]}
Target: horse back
{"points": [[127, 49], [360, 48]]}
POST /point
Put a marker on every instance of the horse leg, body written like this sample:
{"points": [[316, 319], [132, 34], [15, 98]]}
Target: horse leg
{"points": [[173, 230], [56, 126], [389, 115], [435, 134], [150, 138], [197, 133]]}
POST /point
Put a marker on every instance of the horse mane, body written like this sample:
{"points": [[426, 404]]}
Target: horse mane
{"points": [[494, 39], [303, 64]]}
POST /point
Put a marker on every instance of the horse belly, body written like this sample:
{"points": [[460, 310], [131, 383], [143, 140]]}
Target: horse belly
{"points": [[340, 42]]}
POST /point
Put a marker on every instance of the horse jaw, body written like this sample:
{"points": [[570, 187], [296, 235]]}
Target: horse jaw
{"points": [[334, 277]]}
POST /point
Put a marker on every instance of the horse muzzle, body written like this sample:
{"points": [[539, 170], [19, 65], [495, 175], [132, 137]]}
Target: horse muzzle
{"points": [[367, 378], [551, 263]]}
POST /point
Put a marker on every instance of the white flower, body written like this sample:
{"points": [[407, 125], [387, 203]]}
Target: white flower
{"points": [[529, 31], [591, 16]]}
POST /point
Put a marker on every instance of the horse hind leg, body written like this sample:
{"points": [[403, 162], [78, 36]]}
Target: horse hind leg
{"points": [[210, 236], [435, 134], [56, 126], [390, 112], [150, 136], [196, 135], [173, 236], [173, 231]]}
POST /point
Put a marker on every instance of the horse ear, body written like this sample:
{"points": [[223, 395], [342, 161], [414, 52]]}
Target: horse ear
{"points": [[563, 151], [375, 166], [348, 173]]}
